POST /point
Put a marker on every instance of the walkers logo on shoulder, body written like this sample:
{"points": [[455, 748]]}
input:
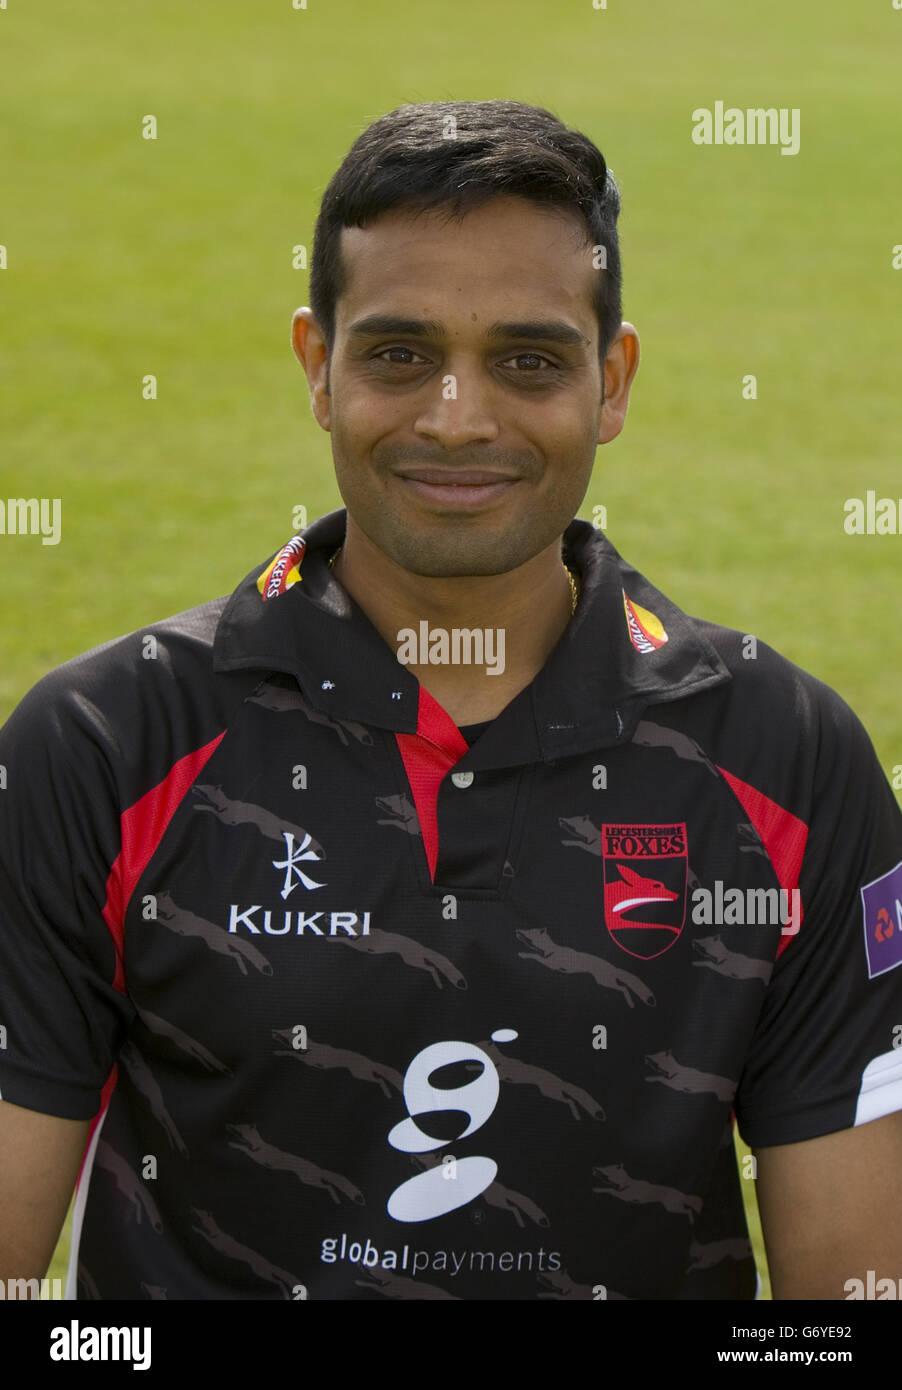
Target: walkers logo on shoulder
{"points": [[284, 570], [645, 629], [882, 904], [645, 879]]}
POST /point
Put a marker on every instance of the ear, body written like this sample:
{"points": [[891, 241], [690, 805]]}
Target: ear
{"points": [[620, 366], [310, 349], [629, 876]]}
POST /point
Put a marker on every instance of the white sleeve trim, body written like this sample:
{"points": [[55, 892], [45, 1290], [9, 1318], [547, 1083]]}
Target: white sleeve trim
{"points": [[78, 1211], [881, 1087]]}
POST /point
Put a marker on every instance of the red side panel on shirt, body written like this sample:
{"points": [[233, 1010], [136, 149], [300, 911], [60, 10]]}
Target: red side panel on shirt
{"points": [[428, 754], [143, 827], [783, 835]]}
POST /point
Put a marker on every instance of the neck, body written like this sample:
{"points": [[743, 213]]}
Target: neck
{"points": [[473, 641]]}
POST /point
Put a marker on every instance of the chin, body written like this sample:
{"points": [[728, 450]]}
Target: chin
{"points": [[450, 556], [453, 547]]}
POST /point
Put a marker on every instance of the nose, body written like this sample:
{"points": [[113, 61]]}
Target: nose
{"points": [[460, 409]]}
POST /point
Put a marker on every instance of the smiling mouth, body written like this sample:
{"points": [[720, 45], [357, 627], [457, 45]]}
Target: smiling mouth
{"points": [[456, 477], [467, 487]]}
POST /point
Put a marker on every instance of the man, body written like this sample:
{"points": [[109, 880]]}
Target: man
{"points": [[385, 974]]}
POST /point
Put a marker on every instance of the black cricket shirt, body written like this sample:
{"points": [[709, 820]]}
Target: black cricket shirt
{"points": [[361, 1012]]}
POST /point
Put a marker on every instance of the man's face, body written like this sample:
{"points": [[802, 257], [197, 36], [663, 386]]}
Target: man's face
{"points": [[465, 400]]}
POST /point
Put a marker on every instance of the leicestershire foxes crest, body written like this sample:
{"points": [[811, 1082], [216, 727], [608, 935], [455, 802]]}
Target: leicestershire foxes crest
{"points": [[645, 880], [285, 569], [645, 628]]}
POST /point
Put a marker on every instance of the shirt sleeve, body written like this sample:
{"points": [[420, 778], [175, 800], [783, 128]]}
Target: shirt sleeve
{"points": [[62, 1017], [827, 1049]]}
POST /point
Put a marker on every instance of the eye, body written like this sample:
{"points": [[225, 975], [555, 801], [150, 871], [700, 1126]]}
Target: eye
{"points": [[389, 357], [535, 361]]}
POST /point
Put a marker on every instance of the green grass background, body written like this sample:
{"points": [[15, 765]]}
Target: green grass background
{"points": [[173, 257]]}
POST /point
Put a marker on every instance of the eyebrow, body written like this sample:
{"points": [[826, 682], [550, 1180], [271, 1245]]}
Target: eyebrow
{"points": [[544, 330]]}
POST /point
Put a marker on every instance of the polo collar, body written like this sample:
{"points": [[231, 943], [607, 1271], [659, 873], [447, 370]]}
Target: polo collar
{"points": [[627, 646]]}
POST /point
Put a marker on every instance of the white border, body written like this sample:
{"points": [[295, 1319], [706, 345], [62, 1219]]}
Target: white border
{"points": [[78, 1213], [881, 1087]]}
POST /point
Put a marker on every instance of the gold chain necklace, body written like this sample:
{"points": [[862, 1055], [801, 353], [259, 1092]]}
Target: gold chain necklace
{"points": [[574, 587]]}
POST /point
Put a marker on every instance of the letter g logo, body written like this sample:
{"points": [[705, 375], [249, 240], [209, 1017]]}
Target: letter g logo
{"points": [[428, 1194]]}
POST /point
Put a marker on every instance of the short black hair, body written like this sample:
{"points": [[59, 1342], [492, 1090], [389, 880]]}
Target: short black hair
{"points": [[406, 159]]}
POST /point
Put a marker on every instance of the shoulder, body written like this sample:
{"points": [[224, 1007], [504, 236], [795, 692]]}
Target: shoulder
{"points": [[124, 712], [787, 742], [107, 676], [770, 702]]}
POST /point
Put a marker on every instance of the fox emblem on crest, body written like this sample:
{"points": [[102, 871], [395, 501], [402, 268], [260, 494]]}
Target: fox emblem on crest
{"points": [[645, 879]]}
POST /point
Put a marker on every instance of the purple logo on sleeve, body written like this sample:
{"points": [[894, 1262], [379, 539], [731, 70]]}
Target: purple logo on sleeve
{"points": [[882, 904]]}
